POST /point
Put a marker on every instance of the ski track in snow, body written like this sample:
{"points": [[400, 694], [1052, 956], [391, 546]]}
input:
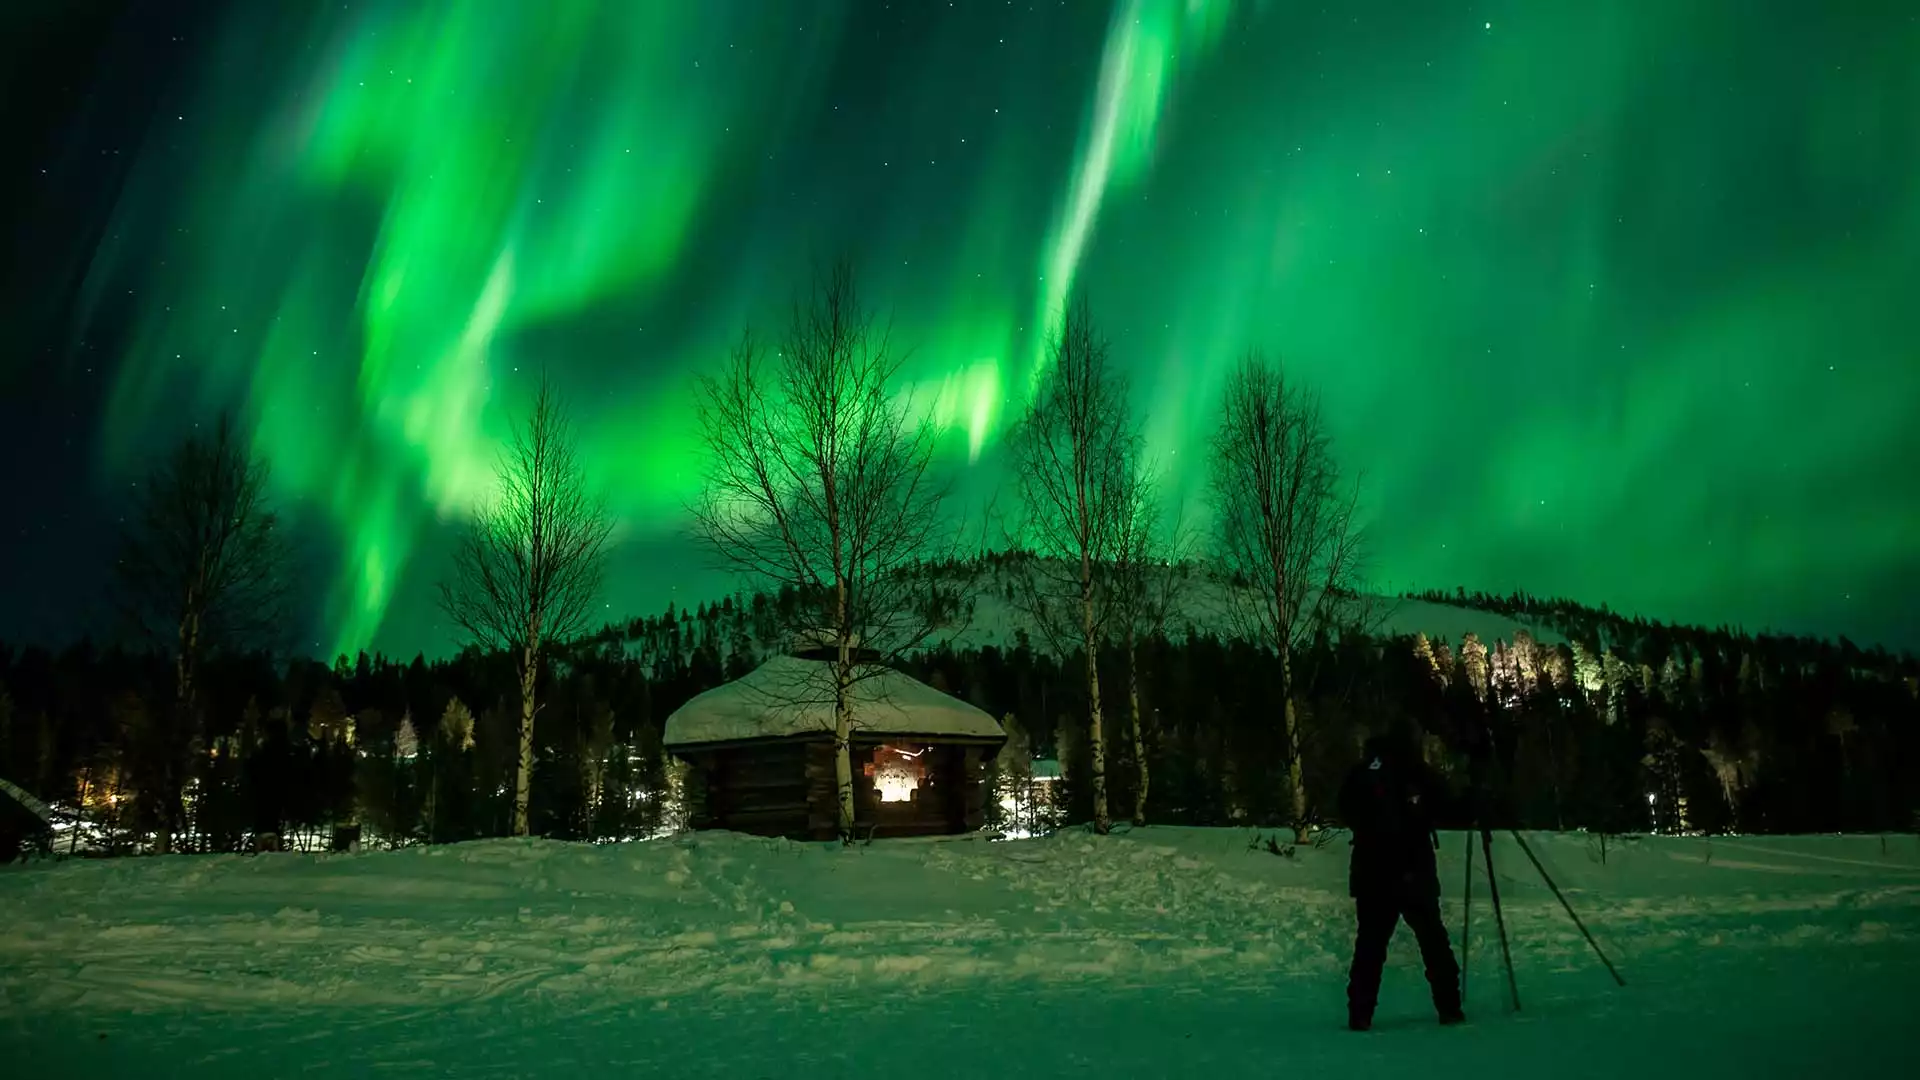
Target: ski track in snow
{"points": [[725, 925]]}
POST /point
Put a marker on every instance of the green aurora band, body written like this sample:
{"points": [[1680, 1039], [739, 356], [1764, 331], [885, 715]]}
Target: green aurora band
{"points": [[1611, 301]]}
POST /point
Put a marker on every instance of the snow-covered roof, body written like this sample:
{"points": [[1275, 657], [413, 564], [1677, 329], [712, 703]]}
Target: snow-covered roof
{"points": [[789, 696]]}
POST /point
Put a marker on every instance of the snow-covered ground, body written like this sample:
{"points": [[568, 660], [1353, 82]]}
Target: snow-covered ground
{"points": [[1163, 952]]}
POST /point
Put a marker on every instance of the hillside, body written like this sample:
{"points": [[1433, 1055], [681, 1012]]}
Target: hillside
{"points": [[1203, 606], [1200, 604]]}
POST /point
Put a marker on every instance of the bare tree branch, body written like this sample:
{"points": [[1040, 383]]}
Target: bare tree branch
{"points": [[202, 569], [1284, 527], [1149, 567], [819, 479], [1075, 454], [527, 570]]}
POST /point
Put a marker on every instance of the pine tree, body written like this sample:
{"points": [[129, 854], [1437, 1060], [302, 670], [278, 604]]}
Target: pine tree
{"points": [[1503, 676], [1662, 761], [406, 741], [1588, 671], [456, 725], [1423, 653], [1735, 766], [1473, 664], [1673, 681], [1013, 778], [1529, 660], [1558, 671], [327, 719], [597, 745]]}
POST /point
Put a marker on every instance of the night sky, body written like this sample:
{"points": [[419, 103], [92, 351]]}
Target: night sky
{"points": [[1617, 301]]}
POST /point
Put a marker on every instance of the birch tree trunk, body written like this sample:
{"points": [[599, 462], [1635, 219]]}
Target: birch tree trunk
{"points": [[523, 771], [1296, 779], [843, 741], [1075, 451], [1139, 738], [527, 570], [842, 699], [817, 479], [1096, 737], [843, 761], [1284, 523]]}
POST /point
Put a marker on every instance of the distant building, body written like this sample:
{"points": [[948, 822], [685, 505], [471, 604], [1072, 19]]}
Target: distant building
{"points": [[759, 752]]}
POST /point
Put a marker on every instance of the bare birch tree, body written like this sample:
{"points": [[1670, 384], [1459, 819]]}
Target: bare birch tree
{"points": [[818, 478], [202, 568], [1074, 453], [1143, 582], [528, 567], [1284, 528]]}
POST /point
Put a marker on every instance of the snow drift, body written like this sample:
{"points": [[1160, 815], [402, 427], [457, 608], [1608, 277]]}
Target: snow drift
{"points": [[723, 913], [728, 954]]}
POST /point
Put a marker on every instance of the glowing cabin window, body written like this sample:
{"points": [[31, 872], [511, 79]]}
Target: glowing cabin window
{"points": [[898, 772]]}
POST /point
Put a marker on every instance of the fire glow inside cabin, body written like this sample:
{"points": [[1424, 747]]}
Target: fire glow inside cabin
{"points": [[759, 752]]}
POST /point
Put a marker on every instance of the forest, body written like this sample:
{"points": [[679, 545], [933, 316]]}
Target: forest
{"points": [[1630, 727]]}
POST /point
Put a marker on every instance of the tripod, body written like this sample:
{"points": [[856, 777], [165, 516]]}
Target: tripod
{"points": [[1482, 802], [1499, 918]]}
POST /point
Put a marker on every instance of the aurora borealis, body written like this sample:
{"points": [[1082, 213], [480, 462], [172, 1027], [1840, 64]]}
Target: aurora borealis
{"points": [[1611, 301]]}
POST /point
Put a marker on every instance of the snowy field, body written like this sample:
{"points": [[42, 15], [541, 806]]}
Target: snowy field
{"points": [[1164, 952]]}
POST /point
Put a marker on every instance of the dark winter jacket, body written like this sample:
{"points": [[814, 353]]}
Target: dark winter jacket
{"points": [[1389, 801]]}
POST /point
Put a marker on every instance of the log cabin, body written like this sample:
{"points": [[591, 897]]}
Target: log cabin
{"points": [[759, 754]]}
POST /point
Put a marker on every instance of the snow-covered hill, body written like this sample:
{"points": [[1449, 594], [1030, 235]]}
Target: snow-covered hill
{"points": [[1205, 606], [1164, 952]]}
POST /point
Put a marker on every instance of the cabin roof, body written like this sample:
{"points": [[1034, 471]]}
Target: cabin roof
{"points": [[788, 696]]}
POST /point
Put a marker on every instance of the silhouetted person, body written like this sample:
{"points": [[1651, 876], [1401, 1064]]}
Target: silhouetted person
{"points": [[1388, 800]]}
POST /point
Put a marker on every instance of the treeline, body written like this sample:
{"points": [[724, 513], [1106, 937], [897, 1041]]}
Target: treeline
{"points": [[1582, 622], [1696, 731], [394, 752], [1669, 729]]}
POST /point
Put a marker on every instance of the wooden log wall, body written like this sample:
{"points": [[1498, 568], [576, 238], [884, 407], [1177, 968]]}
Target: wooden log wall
{"points": [[699, 778], [788, 789], [823, 792], [759, 789]]}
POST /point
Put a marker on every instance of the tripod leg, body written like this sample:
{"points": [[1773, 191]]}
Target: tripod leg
{"points": [[1499, 919], [1558, 895], [1466, 918]]}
